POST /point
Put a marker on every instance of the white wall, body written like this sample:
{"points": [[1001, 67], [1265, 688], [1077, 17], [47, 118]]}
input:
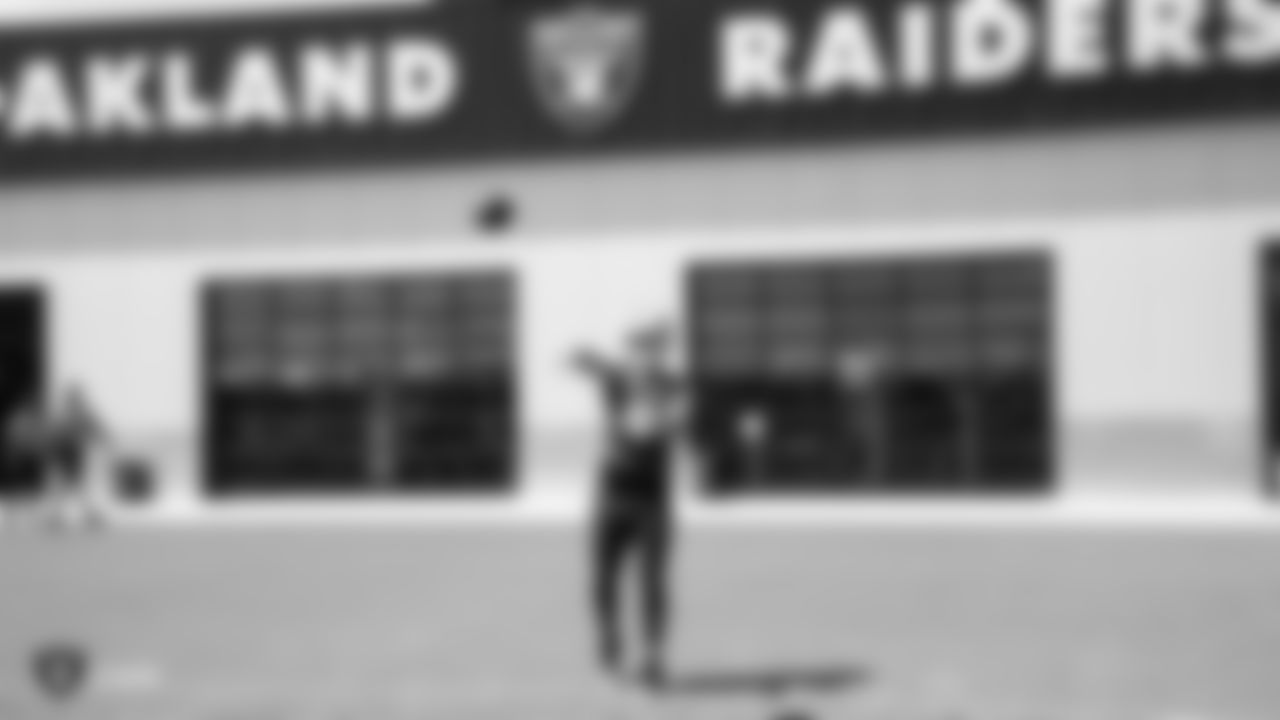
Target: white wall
{"points": [[1157, 374], [1161, 351]]}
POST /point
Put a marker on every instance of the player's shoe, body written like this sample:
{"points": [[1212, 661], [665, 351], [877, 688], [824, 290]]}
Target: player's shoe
{"points": [[653, 674], [610, 654]]}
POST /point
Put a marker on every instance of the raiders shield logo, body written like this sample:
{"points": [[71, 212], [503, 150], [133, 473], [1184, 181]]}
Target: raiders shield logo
{"points": [[586, 64]]}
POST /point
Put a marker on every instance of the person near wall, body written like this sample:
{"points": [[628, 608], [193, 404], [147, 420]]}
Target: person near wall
{"points": [[645, 405], [62, 436]]}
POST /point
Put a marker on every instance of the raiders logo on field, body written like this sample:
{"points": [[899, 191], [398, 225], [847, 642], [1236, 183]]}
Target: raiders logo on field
{"points": [[586, 63]]}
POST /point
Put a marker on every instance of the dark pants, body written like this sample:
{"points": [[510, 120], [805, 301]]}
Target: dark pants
{"points": [[633, 524], [642, 534]]}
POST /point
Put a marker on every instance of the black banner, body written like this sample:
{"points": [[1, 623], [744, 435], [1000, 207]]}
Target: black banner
{"points": [[469, 80]]}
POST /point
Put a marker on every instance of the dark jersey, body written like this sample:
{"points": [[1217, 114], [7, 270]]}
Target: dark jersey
{"points": [[642, 428]]}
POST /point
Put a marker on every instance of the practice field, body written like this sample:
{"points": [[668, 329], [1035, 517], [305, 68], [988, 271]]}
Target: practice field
{"points": [[489, 622]]}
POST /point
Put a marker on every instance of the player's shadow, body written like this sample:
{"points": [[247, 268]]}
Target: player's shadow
{"points": [[778, 680]]}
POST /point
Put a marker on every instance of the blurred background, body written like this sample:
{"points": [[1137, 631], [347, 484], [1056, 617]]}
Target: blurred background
{"points": [[977, 301]]}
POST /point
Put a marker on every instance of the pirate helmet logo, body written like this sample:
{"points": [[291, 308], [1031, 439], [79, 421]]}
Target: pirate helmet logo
{"points": [[587, 62]]}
